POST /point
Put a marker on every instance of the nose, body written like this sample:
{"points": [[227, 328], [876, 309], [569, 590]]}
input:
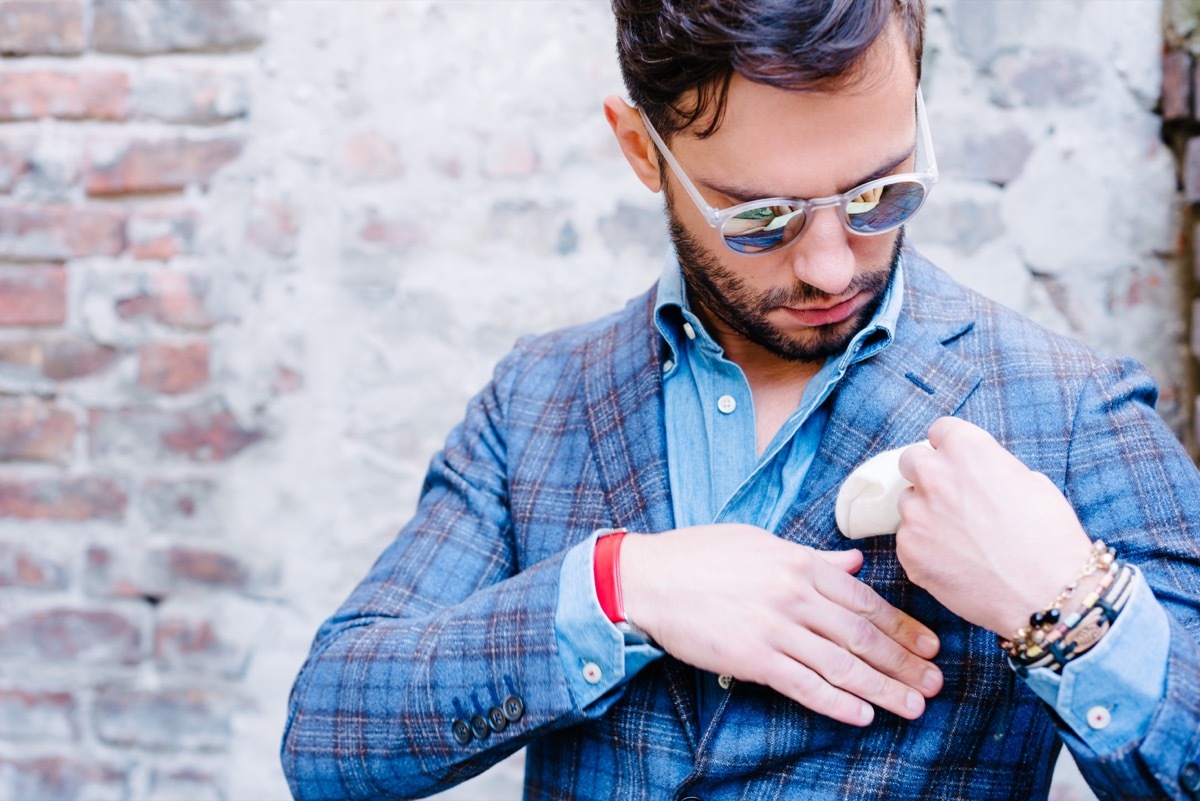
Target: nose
{"points": [[823, 257]]}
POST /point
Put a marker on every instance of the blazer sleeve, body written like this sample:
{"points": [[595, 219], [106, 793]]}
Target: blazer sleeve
{"points": [[1134, 486], [445, 632]]}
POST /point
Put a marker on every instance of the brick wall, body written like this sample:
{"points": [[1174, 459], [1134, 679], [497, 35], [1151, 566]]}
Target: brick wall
{"points": [[130, 610], [255, 256]]}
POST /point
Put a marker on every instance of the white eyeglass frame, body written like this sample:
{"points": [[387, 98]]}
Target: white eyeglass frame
{"points": [[717, 218]]}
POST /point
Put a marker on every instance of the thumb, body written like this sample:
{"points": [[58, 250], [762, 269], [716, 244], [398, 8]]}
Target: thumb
{"points": [[850, 560]]}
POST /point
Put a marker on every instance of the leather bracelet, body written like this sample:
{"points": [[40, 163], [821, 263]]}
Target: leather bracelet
{"points": [[606, 569]]}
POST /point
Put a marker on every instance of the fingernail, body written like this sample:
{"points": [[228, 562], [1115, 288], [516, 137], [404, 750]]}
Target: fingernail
{"points": [[866, 714], [931, 681], [914, 702], [928, 644]]}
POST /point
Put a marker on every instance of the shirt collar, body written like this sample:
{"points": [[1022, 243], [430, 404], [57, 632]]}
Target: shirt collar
{"points": [[674, 317]]}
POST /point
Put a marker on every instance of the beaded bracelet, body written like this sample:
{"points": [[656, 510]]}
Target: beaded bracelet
{"points": [[1082, 629], [1044, 622]]}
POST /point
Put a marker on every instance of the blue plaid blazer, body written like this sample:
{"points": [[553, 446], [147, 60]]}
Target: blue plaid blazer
{"points": [[458, 613]]}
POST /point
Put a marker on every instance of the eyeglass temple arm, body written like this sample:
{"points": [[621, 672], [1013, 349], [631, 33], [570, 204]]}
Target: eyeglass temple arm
{"points": [[710, 213]]}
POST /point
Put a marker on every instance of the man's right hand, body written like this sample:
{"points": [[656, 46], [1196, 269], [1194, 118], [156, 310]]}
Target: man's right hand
{"points": [[737, 600]]}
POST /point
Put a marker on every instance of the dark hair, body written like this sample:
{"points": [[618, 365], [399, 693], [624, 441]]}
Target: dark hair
{"points": [[667, 48]]}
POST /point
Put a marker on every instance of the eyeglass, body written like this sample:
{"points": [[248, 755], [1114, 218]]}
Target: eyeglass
{"points": [[771, 224]]}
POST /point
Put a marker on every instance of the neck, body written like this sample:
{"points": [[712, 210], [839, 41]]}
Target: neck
{"points": [[776, 384]]}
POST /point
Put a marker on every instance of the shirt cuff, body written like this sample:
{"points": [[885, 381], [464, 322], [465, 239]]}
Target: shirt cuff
{"points": [[1109, 695], [595, 656]]}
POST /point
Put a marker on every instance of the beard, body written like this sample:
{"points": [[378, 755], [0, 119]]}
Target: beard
{"points": [[725, 296]]}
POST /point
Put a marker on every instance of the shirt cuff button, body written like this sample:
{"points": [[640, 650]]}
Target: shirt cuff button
{"points": [[592, 673], [1099, 717]]}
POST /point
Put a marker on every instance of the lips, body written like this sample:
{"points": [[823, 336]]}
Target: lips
{"points": [[828, 315]]}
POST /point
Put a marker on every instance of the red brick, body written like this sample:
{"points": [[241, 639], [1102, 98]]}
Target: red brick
{"points": [[31, 95], [164, 26], [173, 369], [189, 783], [33, 296], [166, 569], [162, 232], [16, 158], [200, 636], [58, 232], [178, 718], [25, 567], [1191, 171], [187, 505], [41, 27], [78, 498], [35, 431], [273, 227], [1176, 85], [375, 234], [62, 778], [370, 157], [192, 96], [207, 433], [173, 299], [57, 358], [170, 165], [75, 636], [38, 715]]}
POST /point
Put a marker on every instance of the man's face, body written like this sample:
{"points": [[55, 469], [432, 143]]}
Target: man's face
{"points": [[807, 301]]}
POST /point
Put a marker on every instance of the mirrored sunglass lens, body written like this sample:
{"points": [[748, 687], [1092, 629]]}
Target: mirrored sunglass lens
{"points": [[885, 207], [763, 228]]}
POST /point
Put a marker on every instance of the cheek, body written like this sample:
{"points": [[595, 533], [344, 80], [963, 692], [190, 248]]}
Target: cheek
{"points": [[873, 253]]}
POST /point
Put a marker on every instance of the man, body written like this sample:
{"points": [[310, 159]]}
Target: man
{"points": [[733, 644]]}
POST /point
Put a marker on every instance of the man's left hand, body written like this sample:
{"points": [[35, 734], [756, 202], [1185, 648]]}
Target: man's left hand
{"points": [[989, 538]]}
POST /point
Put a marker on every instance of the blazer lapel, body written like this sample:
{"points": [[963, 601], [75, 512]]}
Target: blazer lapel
{"points": [[885, 402]]}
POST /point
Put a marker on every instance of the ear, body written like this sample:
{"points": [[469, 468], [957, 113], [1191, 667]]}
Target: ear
{"points": [[633, 140]]}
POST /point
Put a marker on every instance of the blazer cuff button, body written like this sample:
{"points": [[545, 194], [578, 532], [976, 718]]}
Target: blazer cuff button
{"points": [[462, 732], [514, 708]]}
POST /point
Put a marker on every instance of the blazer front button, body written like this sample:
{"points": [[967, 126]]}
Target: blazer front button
{"points": [[480, 728], [462, 732], [1189, 777], [514, 708], [496, 719]]}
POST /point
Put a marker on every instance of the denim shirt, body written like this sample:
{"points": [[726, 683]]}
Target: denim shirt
{"points": [[716, 476]]}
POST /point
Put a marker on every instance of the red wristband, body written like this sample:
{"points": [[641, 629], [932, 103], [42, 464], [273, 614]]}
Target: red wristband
{"points": [[606, 568]]}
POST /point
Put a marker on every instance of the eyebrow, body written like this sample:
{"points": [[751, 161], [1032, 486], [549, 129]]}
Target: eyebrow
{"points": [[744, 194]]}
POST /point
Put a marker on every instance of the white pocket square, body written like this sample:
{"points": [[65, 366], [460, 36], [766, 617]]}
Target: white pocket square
{"points": [[866, 503]]}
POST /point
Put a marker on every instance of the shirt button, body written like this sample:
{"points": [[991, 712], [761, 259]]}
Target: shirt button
{"points": [[592, 673], [668, 365], [726, 404], [691, 332], [1099, 717], [725, 681]]}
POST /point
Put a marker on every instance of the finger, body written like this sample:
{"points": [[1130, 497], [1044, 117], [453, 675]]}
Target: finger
{"points": [[849, 561], [850, 593], [860, 637], [806, 687], [847, 671], [912, 458]]}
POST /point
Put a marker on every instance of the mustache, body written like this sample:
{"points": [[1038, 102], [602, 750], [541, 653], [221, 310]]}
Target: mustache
{"points": [[802, 293]]}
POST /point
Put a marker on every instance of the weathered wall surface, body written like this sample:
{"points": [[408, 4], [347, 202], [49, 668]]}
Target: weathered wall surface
{"points": [[255, 257]]}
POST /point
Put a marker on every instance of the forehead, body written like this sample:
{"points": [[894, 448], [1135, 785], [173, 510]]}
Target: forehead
{"points": [[806, 144]]}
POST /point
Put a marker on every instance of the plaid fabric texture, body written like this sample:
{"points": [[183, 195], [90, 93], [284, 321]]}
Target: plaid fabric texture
{"points": [[458, 613]]}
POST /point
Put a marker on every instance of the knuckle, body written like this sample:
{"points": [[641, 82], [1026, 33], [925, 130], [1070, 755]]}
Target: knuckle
{"points": [[841, 668], [862, 637]]}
